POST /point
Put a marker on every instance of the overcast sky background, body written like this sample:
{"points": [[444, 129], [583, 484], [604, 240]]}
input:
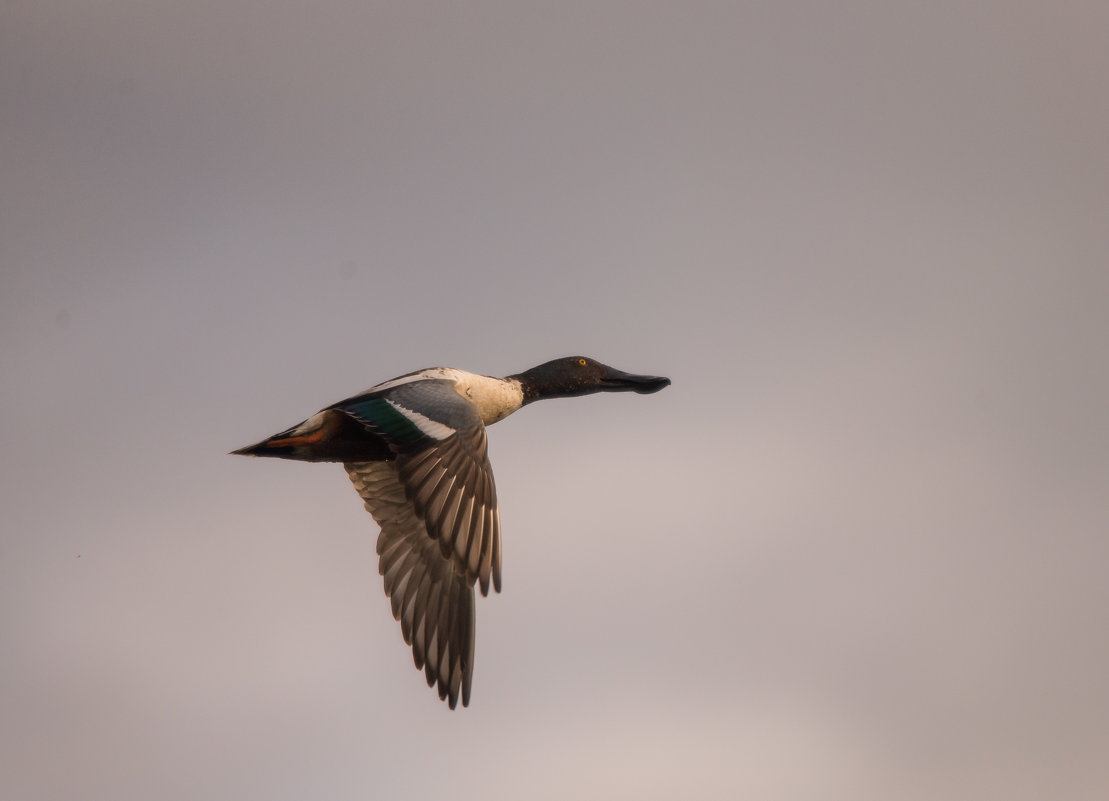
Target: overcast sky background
{"points": [[858, 549]]}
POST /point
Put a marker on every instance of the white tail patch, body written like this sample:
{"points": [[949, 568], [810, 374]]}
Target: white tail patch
{"points": [[313, 423]]}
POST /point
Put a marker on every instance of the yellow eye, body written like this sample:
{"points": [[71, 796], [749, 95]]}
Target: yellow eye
{"points": [[581, 362]]}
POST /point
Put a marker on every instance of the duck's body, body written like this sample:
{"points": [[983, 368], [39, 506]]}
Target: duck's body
{"points": [[415, 449], [342, 432]]}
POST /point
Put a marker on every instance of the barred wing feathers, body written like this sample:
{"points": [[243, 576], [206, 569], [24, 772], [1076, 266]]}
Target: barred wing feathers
{"points": [[442, 462], [432, 600]]}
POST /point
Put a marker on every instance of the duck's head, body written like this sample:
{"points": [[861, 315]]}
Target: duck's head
{"points": [[579, 375]]}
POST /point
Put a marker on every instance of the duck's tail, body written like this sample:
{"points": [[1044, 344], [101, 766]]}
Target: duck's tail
{"points": [[265, 448], [293, 443], [329, 436]]}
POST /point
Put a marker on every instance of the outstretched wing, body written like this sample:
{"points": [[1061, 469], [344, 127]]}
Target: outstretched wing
{"points": [[442, 462], [433, 601], [436, 504]]}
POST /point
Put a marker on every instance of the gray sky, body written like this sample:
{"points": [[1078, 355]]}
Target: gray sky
{"points": [[856, 551]]}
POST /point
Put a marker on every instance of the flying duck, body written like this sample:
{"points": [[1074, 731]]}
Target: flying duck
{"points": [[415, 450]]}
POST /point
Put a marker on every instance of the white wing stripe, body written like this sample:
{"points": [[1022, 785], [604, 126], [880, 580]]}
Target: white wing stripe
{"points": [[425, 424]]}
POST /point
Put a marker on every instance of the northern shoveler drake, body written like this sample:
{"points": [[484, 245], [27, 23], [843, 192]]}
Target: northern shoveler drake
{"points": [[415, 449]]}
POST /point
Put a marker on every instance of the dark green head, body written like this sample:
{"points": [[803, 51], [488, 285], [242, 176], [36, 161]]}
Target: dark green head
{"points": [[579, 375]]}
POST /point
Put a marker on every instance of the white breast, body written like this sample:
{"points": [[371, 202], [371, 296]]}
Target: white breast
{"points": [[494, 398]]}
